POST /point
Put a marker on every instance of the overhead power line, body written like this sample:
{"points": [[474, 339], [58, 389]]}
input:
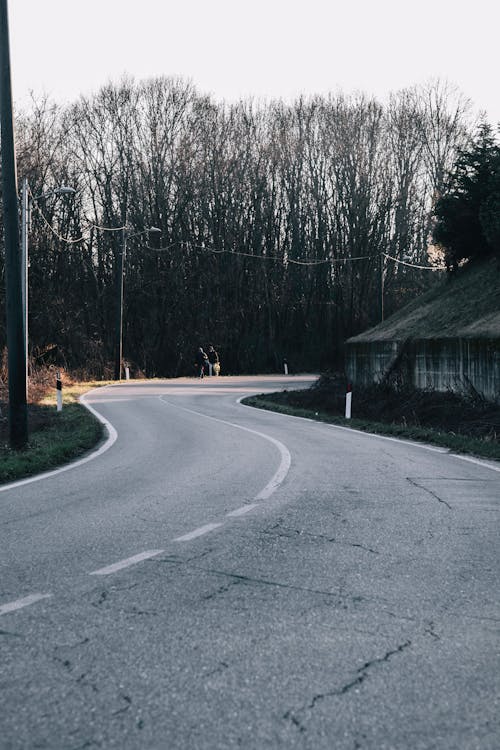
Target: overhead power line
{"points": [[414, 265], [219, 251]]}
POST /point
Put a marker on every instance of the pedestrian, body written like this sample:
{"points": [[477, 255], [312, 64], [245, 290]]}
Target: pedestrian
{"points": [[201, 363], [213, 361]]}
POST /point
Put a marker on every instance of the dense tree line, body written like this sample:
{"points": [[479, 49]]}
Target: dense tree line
{"points": [[284, 226]]}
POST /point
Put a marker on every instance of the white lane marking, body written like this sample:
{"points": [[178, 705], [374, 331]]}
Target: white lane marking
{"points": [[475, 461], [434, 448], [116, 400], [286, 458], [198, 532], [20, 603], [126, 563], [112, 435], [241, 511], [413, 443], [280, 475]]}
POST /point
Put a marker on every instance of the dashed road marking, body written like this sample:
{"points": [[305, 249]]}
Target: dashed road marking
{"points": [[20, 603], [241, 511], [198, 532], [121, 564]]}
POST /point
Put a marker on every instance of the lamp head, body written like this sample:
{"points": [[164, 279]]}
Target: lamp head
{"points": [[64, 190]]}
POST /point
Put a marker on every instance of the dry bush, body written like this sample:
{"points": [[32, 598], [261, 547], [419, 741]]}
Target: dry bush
{"points": [[41, 381]]}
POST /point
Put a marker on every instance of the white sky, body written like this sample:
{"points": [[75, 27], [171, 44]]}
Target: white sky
{"points": [[260, 48]]}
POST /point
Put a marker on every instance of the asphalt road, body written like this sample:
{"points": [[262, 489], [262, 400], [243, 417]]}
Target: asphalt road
{"points": [[224, 577]]}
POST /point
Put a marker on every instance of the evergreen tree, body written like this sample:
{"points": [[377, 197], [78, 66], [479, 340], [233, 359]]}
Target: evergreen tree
{"points": [[467, 224], [489, 214]]}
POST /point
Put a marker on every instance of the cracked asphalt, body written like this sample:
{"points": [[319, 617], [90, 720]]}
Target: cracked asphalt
{"points": [[356, 607]]}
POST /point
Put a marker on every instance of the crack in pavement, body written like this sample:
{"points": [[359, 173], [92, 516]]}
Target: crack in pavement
{"points": [[220, 590], [288, 533], [103, 596], [248, 579], [135, 611], [101, 600], [181, 560], [65, 663], [12, 635], [362, 674], [361, 546], [218, 670], [82, 679], [128, 701], [429, 630], [430, 492]]}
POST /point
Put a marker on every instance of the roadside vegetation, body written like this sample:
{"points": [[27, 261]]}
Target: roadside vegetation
{"points": [[463, 422], [54, 437]]}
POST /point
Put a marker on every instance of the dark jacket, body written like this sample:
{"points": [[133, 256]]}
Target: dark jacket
{"points": [[213, 357], [201, 358]]}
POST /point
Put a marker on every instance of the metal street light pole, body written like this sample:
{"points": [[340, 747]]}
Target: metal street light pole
{"points": [[24, 268], [119, 315], [25, 221], [18, 408]]}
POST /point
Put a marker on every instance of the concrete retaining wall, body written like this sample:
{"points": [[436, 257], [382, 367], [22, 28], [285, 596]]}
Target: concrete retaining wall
{"points": [[439, 364]]}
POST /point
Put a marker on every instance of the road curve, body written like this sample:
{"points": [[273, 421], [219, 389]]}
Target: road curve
{"points": [[225, 577]]}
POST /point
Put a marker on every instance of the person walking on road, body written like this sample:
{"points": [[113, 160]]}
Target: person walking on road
{"points": [[213, 361], [201, 363]]}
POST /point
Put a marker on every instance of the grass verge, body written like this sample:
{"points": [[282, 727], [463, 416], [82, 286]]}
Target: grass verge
{"points": [[55, 438], [458, 443]]}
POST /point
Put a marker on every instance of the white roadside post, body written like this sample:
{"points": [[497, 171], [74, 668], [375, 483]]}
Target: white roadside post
{"points": [[59, 392], [348, 401], [285, 366]]}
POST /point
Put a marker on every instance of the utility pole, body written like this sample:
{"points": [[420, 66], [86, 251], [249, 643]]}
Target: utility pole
{"points": [[119, 304], [120, 273], [381, 290], [24, 267], [18, 409]]}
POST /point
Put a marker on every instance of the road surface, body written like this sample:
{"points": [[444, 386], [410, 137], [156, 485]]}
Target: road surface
{"points": [[224, 577]]}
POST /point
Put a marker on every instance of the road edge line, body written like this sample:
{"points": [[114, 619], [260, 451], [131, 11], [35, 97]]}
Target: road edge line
{"points": [[286, 458], [483, 462], [112, 436]]}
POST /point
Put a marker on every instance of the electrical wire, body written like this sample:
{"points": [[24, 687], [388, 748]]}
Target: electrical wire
{"points": [[217, 251], [56, 234], [414, 265]]}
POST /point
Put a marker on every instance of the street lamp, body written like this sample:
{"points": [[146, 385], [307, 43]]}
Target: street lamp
{"points": [[119, 317], [25, 212]]}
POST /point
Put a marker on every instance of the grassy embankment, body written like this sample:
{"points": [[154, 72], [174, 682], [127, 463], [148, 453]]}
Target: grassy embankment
{"points": [[54, 437]]}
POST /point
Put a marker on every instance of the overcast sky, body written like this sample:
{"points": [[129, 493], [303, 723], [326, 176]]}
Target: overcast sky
{"points": [[259, 48]]}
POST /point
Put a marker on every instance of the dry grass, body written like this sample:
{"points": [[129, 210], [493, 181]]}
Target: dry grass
{"points": [[41, 392]]}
